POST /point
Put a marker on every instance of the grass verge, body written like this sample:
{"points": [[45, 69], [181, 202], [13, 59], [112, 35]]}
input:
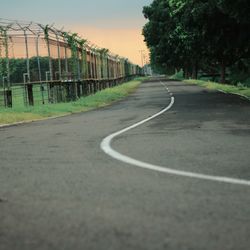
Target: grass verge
{"points": [[231, 89], [100, 99]]}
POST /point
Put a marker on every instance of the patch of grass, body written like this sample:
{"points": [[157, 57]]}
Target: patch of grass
{"points": [[240, 89], [100, 99], [177, 76]]}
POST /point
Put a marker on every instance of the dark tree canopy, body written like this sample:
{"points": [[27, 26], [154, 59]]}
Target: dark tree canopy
{"points": [[198, 34]]}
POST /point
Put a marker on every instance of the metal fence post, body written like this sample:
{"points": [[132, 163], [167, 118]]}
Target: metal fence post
{"points": [[39, 68]]}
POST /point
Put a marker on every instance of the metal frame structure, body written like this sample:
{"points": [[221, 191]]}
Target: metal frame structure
{"points": [[63, 63]]}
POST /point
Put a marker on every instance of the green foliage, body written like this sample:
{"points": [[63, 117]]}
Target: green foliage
{"points": [[178, 75], [73, 42], [4, 53], [239, 90], [100, 99], [240, 73], [197, 34]]}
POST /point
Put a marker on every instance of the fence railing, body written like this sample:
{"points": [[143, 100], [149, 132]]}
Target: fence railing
{"points": [[40, 64], [39, 93]]}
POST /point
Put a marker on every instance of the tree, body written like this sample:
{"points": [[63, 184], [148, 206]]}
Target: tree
{"points": [[192, 34]]}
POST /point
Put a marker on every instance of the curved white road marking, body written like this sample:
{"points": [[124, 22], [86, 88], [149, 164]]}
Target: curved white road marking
{"points": [[106, 147]]}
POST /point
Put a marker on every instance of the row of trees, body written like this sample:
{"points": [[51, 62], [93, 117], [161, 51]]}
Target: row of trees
{"points": [[197, 35], [18, 67]]}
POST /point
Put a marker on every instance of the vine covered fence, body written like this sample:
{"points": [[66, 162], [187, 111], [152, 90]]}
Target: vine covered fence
{"points": [[41, 64]]}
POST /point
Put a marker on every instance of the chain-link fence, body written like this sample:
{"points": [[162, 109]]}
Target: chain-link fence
{"points": [[40, 64]]}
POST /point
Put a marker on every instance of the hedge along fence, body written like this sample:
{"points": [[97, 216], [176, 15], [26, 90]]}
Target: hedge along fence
{"points": [[41, 64]]}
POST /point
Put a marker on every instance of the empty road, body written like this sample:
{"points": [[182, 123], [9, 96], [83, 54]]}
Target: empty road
{"points": [[60, 190]]}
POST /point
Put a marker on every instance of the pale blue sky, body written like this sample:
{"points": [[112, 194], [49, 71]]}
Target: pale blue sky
{"points": [[100, 13]]}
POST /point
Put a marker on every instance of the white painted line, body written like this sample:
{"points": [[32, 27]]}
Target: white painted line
{"points": [[106, 147]]}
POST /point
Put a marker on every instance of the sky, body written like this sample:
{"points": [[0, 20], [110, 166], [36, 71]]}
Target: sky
{"points": [[113, 24]]}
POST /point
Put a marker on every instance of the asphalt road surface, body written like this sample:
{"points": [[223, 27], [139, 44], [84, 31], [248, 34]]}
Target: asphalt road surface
{"points": [[59, 190]]}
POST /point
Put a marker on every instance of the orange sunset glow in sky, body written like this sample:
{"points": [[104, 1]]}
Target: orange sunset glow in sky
{"points": [[125, 42], [112, 24]]}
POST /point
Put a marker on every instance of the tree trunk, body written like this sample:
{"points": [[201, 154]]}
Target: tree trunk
{"points": [[195, 71], [187, 73], [223, 72]]}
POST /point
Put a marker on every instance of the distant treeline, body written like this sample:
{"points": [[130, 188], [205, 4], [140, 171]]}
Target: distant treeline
{"points": [[18, 67], [210, 37], [39, 67]]}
